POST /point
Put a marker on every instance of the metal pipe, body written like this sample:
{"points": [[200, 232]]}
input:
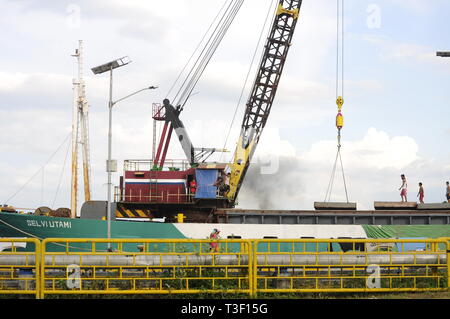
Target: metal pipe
{"points": [[436, 259], [346, 260]]}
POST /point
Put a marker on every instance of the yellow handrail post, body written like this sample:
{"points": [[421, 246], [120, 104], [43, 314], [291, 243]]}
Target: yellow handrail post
{"points": [[254, 249], [25, 263], [38, 266], [42, 269], [251, 266], [448, 263]]}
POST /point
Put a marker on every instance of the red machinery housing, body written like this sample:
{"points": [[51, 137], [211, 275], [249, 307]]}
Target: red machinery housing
{"points": [[146, 192], [139, 185]]}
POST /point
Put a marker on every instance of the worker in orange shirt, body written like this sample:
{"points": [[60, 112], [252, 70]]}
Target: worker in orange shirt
{"points": [[192, 187], [214, 247]]}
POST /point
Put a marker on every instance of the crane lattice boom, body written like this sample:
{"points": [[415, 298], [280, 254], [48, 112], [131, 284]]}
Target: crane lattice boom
{"points": [[264, 90]]}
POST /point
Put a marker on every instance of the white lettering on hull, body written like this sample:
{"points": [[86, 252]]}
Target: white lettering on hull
{"points": [[49, 223]]}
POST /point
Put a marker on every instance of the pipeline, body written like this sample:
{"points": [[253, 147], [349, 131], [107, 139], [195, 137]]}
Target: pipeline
{"points": [[229, 260]]}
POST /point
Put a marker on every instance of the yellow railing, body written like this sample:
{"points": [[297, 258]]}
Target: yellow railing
{"points": [[188, 266], [137, 266], [19, 269], [350, 265], [165, 196]]}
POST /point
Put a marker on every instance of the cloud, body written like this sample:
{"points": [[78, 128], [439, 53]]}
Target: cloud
{"points": [[419, 6], [10, 82], [372, 167], [37, 90], [375, 150], [390, 49], [151, 30]]}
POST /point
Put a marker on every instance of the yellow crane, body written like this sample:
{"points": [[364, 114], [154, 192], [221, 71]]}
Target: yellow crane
{"points": [[264, 89]]}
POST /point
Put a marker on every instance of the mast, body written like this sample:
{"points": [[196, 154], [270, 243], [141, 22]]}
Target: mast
{"points": [[80, 136], [84, 120]]}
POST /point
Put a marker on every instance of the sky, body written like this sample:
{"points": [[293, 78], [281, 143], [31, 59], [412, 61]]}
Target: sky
{"points": [[396, 96]]}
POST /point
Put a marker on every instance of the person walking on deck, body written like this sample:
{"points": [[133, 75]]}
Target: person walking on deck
{"points": [[447, 194], [403, 189], [420, 194]]}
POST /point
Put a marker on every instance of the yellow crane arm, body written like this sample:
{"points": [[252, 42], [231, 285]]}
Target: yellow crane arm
{"points": [[264, 89]]}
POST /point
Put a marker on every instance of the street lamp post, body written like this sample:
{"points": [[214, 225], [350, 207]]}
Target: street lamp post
{"points": [[110, 167]]}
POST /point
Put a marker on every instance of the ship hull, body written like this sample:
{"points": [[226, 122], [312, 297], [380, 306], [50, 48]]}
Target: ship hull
{"points": [[14, 225], [41, 227]]}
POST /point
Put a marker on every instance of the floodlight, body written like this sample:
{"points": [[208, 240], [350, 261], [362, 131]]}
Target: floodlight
{"points": [[443, 53], [111, 65]]}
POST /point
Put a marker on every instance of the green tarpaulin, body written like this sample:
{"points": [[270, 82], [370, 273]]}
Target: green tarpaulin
{"points": [[402, 231]]}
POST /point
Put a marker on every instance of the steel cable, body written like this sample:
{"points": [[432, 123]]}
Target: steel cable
{"points": [[247, 76], [339, 90], [61, 175], [39, 170], [207, 57], [196, 49], [213, 34]]}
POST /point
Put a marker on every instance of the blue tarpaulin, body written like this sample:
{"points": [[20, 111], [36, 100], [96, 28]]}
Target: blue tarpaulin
{"points": [[205, 180], [411, 246]]}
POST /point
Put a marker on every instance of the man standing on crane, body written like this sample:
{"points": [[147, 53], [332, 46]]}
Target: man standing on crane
{"points": [[192, 187]]}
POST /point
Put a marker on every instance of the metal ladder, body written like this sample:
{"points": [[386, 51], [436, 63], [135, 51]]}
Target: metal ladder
{"points": [[153, 186]]}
